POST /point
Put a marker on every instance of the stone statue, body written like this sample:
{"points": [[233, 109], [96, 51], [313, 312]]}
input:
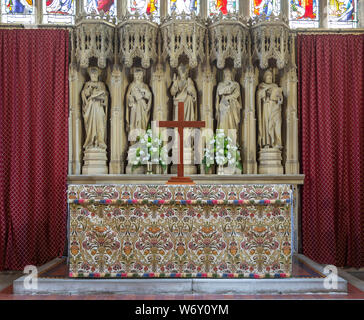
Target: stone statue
{"points": [[269, 101], [94, 110], [183, 90], [138, 106], [228, 103]]}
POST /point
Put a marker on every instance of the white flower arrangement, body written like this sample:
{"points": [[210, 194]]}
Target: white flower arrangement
{"points": [[149, 150], [222, 150]]}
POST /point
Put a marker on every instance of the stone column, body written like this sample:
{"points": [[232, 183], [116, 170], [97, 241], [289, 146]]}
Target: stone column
{"points": [[285, 8], [244, 8], [204, 9], [206, 107], [118, 141], [79, 7], [290, 86], [159, 88], [292, 158], [361, 14], [38, 12], [164, 8], [76, 80], [122, 8], [324, 21], [249, 81]]}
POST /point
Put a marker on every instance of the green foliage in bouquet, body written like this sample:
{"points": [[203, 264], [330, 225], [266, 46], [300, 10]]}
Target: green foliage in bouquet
{"points": [[149, 149], [221, 150]]}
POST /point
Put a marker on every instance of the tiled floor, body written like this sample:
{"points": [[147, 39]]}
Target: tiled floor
{"points": [[357, 274], [7, 277]]}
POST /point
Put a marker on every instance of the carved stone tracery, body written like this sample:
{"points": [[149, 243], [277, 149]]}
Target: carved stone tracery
{"points": [[249, 44], [183, 34], [138, 39], [230, 38], [270, 39], [94, 39]]}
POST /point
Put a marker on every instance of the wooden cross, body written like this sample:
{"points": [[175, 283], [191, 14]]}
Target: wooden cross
{"points": [[181, 124]]}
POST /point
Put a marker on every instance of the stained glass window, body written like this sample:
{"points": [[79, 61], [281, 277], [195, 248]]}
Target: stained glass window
{"points": [[187, 6], [144, 6], [17, 11], [224, 6], [108, 6], [57, 11], [342, 13], [267, 7], [304, 13]]}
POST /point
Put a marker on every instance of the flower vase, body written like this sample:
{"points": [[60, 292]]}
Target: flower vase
{"points": [[149, 167], [220, 169]]}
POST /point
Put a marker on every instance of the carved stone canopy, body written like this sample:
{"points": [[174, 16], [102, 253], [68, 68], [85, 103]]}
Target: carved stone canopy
{"points": [[230, 38], [183, 34], [94, 38], [270, 37], [137, 39]]}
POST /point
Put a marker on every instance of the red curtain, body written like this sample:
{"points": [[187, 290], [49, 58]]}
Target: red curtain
{"points": [[33, 146], [331, 103]]}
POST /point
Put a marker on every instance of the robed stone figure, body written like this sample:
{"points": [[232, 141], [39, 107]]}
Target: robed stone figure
{"points": [[228, 103], [269, 102], [94, 109], [138, 106], [183, 90]]}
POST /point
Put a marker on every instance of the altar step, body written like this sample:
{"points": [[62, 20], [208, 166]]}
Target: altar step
{"points": [[53, 283], [180, 286]]}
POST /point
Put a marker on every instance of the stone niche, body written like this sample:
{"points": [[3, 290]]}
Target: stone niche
{"points": [[231, 72]]}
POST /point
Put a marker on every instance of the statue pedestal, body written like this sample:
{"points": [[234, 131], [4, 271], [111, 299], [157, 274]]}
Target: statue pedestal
{"points": [[95, 161], [270, 161]]}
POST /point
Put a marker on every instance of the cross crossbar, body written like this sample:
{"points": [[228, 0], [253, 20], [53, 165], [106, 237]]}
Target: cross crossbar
{"points": [[181, 124]]}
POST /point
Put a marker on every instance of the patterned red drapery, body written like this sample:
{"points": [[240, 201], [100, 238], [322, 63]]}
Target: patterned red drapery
{"points": [[33, 146], [331, 104]]}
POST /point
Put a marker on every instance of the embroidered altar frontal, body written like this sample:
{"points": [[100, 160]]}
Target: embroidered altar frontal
{"points": [[210, 231]]}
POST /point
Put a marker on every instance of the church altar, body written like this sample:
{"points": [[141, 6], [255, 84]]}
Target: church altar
{"points": [[131, 86], [190, 231]]}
